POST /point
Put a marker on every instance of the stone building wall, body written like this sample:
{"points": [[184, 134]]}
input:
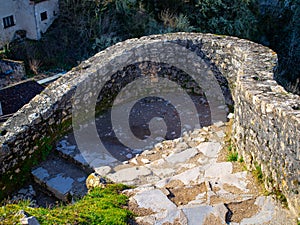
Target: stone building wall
{"points": [[267, 118]]}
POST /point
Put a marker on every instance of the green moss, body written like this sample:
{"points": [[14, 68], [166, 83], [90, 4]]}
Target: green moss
{"points": [[99, 206]]}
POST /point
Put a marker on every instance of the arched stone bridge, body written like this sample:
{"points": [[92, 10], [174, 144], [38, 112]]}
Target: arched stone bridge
{"points": [[267, 118]]}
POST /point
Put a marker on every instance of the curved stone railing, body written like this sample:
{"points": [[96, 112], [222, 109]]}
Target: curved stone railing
{"points": [[266, 125]]}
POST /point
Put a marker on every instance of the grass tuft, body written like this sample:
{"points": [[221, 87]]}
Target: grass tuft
{"points": [[99, 206], [258, 173], [232, 157]]}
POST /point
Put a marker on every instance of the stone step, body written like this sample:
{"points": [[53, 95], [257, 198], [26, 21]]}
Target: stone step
{"points": [[61, 178], [72, 154]]}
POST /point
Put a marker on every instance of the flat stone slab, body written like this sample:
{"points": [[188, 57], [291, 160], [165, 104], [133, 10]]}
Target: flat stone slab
{"points": [[187, 177], [129, 174], [88, 158], [206, 214], [238, 180], [218, 169], [164, 210], [61, 178], [103, 170], [269, 213], [182, 156], [72, 154], [162, 172], [210, 149]]}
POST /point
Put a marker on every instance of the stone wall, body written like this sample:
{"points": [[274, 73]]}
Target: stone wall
{"points": [[267, 118]]}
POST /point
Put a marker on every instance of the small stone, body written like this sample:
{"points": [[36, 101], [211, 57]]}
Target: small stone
{"points": [[148, 152], [165, 191], [134, 161], [230, 116], [158, 146], [168, 144], [22, 213], [31, 151], [205, 129], [219, 124], [145, 161], [181, 146], [103, 170], [29, 221], [220, 134], [95, 180]]}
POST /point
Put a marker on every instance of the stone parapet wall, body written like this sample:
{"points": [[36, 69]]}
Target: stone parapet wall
{"points": [[267, 127], [267, 118]]}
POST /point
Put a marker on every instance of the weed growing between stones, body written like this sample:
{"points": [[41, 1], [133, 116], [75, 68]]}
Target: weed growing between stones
{"points": [[99, 206], [232, 157], [257, 173]]}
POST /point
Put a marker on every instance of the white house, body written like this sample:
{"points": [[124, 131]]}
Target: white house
{"points": [[32, 16]]}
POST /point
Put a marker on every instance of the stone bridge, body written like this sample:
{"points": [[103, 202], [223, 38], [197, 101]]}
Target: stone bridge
{"points": [[266, 128]]}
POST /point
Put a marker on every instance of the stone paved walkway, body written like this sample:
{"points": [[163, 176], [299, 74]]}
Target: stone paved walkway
{"points": [[184, 181], [187, 181]]}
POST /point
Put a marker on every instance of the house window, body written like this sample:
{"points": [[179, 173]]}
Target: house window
{"points": [[44, 16], [8, 21]]}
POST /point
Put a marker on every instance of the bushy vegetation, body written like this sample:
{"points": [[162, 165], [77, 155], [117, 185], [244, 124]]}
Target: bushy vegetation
{"points": [[86, 27], [100, 206], [279, 28]]}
